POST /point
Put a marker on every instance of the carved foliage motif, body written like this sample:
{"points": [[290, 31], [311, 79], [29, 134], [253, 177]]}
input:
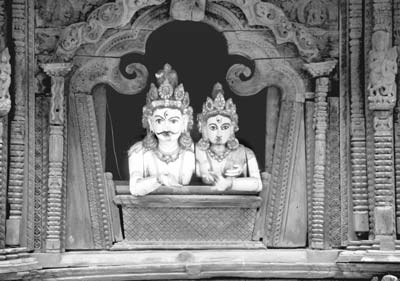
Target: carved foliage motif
{"points": [[64, 12], [321, 19], [269, 15], [111, 15]]}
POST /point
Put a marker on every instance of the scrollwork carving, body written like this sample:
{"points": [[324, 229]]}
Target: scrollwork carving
{"points": [[266, 73], [110, 15], [106, 70], [284, 30]]}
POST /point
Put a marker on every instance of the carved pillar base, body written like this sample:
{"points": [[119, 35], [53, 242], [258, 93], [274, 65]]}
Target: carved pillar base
{"points": [[13, 231]]}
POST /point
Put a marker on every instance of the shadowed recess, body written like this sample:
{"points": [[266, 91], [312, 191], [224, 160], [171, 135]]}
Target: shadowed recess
{"points": [[200, 56]]}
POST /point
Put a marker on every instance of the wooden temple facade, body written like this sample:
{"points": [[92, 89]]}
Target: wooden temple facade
{"points": [[330, 203]]}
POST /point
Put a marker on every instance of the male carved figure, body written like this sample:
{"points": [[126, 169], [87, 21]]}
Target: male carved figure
{"points": [[221, 161], [165, 157]]}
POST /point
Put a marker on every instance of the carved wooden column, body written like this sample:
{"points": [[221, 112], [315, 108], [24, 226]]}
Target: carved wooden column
{"points": [[55, 204], [5, 106], [396, 42], [359, 186], [382, 99], [320, 71], [17, 138]]}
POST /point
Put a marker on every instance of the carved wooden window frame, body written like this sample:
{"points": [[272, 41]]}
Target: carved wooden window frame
{"points": [[98, 63]]}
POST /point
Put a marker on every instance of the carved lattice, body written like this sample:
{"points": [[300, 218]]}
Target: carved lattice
{"points": [[41, 171], [188, 224]]}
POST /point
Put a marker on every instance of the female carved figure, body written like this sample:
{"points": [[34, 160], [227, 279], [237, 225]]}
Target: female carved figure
{"points": [[165, 157], [221, 161]]}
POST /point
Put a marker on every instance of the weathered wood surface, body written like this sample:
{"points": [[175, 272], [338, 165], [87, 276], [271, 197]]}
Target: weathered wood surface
{"points": [[122, 188], [78, 234], [189, 201], [191, 264], [168, 245]]}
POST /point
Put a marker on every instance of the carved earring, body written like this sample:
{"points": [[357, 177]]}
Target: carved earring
{"points": [[232, 143], [185, 140], [150, 140], [203, 143]]}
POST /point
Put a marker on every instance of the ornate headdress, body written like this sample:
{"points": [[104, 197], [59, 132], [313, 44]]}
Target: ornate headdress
{"points": [[168, 94], [218, 106]]}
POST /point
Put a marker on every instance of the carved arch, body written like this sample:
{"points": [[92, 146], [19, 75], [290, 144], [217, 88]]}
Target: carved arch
{"points": [[252, 45], [99, 62]]}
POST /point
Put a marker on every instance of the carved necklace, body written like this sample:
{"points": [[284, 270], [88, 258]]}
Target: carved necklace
{"points": [[167, 157], [216, 156]]}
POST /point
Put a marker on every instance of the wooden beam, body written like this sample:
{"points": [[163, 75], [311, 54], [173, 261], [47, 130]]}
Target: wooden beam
{"points": [[189, 201]]}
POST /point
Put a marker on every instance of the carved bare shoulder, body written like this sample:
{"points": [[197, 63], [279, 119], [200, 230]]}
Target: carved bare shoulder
{"points": [[136, 148], [249, 153]]}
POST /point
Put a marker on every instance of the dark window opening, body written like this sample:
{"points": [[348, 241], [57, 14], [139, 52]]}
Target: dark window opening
{"points": [[199, 55]]}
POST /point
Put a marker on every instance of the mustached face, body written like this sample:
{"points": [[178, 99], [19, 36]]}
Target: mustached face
{"points": [[167, 123], [219, 129]]}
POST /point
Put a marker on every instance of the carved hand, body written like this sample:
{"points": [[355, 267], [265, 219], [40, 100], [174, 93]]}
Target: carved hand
{"points": [[208, 179], [168, 180], [223, 183], [235, 171]]}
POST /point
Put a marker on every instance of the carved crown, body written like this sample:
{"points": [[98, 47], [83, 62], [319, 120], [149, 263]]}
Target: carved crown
{"points": [[168, 94], [218, 106]]}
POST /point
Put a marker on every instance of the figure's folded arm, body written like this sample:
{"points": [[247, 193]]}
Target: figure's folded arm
{"points": [[138, 184], [253, 181]]}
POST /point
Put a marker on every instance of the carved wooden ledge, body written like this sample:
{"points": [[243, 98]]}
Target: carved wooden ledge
{"points": [[189, 201], [194, 217]]}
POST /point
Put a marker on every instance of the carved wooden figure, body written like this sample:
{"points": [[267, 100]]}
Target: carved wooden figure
{"points": [[165, 157], [220, 160]]}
